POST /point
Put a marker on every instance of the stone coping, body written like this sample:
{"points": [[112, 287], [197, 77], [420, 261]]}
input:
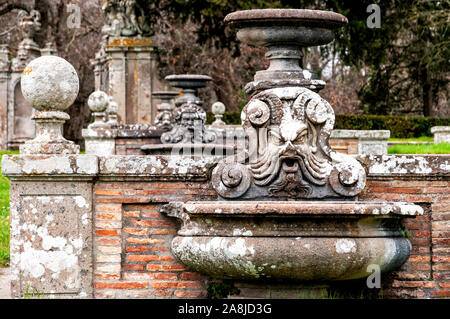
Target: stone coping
{"points": [[182, 167], [37, 166], [407, 165], [138, 131], [227, 208], [440, 129], [160, 167], [100, 133], [361, 134]]}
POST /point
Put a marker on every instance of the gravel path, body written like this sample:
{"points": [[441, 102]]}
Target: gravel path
{"points": [[5, 287]]}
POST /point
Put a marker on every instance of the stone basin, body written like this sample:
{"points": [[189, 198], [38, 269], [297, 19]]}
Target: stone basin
{"points": [[291, 240], [284, 32]]}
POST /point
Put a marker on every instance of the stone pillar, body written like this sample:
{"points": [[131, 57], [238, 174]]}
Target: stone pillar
{"points": [[362, 142], [441, 134], [99, 135], [131, 78], [4, 81], [51, 193]]}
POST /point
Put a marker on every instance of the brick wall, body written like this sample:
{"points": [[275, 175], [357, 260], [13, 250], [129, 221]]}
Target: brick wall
{"points": [[427, 272], [132, 241], [346, 146]]}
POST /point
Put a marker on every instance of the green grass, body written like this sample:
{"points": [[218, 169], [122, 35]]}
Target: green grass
{"points": [[441, 148], [414, 139], [4, 215]]}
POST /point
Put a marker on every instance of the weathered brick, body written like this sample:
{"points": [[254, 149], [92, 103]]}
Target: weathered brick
{"points": [[190, 276], [133, 267], [146, 258], [176, 284], [108, 258], [108, 208], [108, 216], [407, 284], [441, 225], [437, 190], [441, 241], [422, 233], [441, 266], [418, 266], [107, 192], [418, 198], [109, 249], [108, 224], [108, 268], [124, 200], [129, 249], [441, 293], [134, 240], [162, 231], [157, 267], [109, 241], [415, 259], [441, 259], [136, 231], [151, 223], [158, 249], [151, 215], [120, 285], [164, 293], [131, 214], [107, 232], [107, 276], [187, 294]]}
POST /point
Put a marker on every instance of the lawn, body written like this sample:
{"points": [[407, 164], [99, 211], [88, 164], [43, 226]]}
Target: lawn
{"points": [[441, 148], [414, 139], [4, 216]]}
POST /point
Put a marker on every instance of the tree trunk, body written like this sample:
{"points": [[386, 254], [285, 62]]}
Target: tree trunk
{"points": [[427, 94]]}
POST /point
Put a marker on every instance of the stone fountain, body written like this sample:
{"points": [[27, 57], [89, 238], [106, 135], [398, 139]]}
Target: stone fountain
{"points": [[288, 205], [188, 134]]}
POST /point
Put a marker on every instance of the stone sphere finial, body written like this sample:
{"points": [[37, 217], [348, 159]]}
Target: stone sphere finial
{"points": [[112, 110], [98, 101], [218, 109], [50, 83]]}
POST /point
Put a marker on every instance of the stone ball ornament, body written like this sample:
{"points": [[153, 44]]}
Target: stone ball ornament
{"points": [[98, 101], [218, 108], [50, 83], [113, 107]]}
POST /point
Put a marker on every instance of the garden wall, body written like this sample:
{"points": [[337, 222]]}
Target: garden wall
{"points": [[127, 254]]}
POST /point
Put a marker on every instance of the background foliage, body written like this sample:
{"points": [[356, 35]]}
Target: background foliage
{"points": [[400, 126], [401, 68]]}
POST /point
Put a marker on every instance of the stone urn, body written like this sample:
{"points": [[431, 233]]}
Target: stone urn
{"points": [[189, 85], [287, 208]]}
